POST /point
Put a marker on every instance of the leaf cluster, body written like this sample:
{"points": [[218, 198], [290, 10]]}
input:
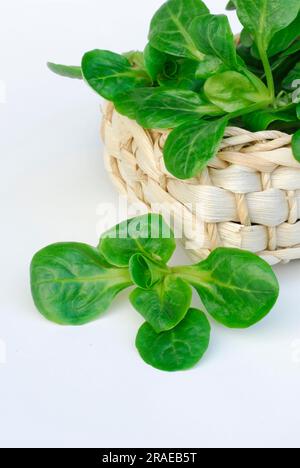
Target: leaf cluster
{"points": [[195, 77], [73, 284]]}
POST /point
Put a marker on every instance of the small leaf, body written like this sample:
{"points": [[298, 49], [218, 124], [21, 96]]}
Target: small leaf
{"points": [[178, 349], [165, 305], [237, 287], [231, 5], [213, 36], [170, 108], [72, 285], [191, 146], [65, 70], [136, 59], [169, 31], [147, 234], [145, 273], [112, 75], [296, 145]]}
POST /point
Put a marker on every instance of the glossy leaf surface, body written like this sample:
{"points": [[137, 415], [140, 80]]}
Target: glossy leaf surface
{"points": [[178, 349], [237, 288], [147, 234], [112, 75], [169, 30], [170, 108], [190, 147], [72, 285], [165, 305]]}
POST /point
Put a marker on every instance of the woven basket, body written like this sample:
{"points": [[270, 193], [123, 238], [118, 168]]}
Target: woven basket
{"points": [[248, 197]]}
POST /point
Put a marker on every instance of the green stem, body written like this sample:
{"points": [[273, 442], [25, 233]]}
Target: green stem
{"points": [[192, 274], [249, 110], [268, 71]]}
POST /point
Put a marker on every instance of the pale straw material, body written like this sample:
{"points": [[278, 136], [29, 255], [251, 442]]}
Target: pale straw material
{"points": [[248, 197]]}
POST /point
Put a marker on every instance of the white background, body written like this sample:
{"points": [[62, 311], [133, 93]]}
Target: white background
{"points": [[87, 387]]}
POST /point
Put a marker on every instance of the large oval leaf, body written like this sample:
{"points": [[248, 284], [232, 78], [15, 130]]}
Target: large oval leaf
{"points": [[72, 285], [112, 75], [237, 288], [148, 235], [170, 108], [189, 147], [165, 305], [169, 31], [177, 349]]}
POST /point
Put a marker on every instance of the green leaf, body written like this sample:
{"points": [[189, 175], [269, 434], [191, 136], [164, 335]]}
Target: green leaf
{"points": [[169, 30], [246, 39], [147, 234], [237, 288], [127, 104], [185, 77], [284, 38], [191, 146], [261, 120], [254, 65], [169, 108], [155, 61], [165, 305], [283, 41], [284, 63], [171, 71], [213, 36], [296, 145], [292, 80], [65, 70], [293, 49], [72, 285], [231, 6], [264, 18], [112, 75], [232, 91], [209, 66], [178, 349], [145, 273]]}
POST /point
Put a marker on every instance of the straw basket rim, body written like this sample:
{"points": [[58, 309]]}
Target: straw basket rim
{"points": [[249, 195]]}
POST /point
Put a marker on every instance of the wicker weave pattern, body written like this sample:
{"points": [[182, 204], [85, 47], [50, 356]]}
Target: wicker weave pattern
{"points": [[248, 197]]}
